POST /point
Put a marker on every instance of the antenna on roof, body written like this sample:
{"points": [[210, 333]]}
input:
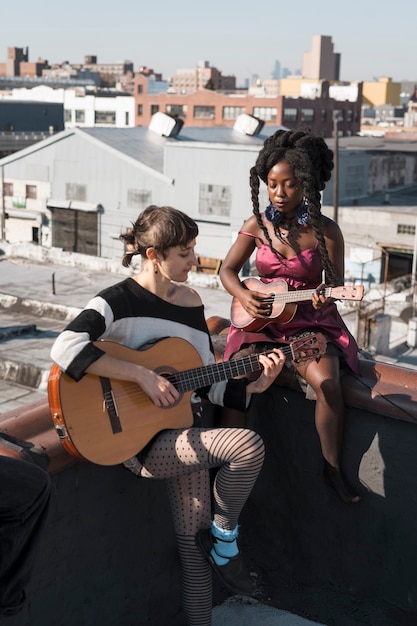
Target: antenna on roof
{"points": [[248, 124], [165, 125]]}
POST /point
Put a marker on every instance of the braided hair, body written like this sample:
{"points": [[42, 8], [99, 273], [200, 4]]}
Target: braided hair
{"points": [[312, 163], [159, 227]]}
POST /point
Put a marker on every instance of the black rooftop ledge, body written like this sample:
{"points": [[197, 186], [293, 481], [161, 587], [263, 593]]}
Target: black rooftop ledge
{"points": [[313, 555]]}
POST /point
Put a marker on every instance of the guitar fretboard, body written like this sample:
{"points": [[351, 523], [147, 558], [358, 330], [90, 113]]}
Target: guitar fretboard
{"points": [[203, 376], [295, 296]]}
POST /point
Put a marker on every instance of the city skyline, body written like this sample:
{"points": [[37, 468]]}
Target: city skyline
{"points": [[233, 38]]}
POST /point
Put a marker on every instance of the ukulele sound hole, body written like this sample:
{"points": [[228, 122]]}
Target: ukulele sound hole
{"points": [[268, 309]]}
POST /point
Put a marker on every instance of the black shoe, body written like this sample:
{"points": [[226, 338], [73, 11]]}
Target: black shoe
{"points": [[234, 574]]}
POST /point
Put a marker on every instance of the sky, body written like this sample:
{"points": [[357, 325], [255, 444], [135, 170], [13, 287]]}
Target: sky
{"points": [[238, 38]]}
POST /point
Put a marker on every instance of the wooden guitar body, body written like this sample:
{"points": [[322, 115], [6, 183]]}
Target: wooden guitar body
{"points": [[92, 432]]}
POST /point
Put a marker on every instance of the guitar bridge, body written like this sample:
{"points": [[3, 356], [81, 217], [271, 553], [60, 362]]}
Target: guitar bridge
{"points": [[109, 405]]}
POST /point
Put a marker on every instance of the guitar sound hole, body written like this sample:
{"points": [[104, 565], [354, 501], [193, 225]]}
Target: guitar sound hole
{"points": [[172, 374]]}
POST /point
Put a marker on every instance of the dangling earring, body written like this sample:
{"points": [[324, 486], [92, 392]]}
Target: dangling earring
{"points": [[155, 268], [273, 215], [302, 213]]}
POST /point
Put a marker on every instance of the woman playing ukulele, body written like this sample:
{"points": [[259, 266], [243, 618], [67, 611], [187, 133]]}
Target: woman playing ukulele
{"points": [[294, 242]]}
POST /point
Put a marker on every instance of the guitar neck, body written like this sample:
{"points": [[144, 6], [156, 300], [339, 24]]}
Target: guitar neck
{"points": [[299, 296], [207, 375]]}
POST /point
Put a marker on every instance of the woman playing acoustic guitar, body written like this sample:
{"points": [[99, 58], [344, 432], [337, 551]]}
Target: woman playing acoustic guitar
{"points": [[294, 243], [143, 310]]}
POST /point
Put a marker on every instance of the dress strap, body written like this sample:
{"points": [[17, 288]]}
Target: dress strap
{"points": [[244, 232]]}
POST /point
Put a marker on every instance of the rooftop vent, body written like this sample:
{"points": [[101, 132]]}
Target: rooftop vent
{"points": [[248, 124], [165, 125]]}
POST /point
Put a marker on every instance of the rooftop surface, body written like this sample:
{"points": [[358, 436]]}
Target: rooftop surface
{"points": [[26, 336], [36, 301]]}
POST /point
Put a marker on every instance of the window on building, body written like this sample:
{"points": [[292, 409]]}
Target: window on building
{"points": [[67, 115], [214, 199], [307, 115], [154, 108], [75, 192], [349, 115], [140, 88], [8, 189], [105, 117], [138, 198], [406, 229], [204, 112], [324, 115], [290, 114], [177, 110], [354, 181], [127, 118], [232, 113], [267, 114], [31, 192], [339, 115], [397, 172], [79, 116], [140, 110]]}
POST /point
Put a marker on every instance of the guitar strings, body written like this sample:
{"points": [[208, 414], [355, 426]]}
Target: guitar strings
{"points": [[198, 377]]}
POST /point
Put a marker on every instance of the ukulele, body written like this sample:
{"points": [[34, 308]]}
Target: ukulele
{"points": [[282, 302]]}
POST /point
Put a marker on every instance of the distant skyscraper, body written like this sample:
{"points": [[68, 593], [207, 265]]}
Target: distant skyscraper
{"points": [[276, 72], [321, 63]]}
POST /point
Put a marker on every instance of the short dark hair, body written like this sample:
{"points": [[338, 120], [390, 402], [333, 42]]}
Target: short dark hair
{"points": [[159, 227]]}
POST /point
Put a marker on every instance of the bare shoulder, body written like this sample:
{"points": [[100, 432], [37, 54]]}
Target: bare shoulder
{"points": [[251, 226], [331, 228], [186, 296]]}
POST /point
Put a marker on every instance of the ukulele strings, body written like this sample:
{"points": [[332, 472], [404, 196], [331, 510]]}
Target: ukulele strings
{"points": [[292, 296]]}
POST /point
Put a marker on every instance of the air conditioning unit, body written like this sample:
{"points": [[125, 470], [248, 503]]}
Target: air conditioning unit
{"points": [[165, 125], [248, 124]]}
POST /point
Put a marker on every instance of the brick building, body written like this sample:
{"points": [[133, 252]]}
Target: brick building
{"points": [[201, 77], [220, 108], [18, 64]]}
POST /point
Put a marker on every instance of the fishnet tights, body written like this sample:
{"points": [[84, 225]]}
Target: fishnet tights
{"points": [[183, 458]]}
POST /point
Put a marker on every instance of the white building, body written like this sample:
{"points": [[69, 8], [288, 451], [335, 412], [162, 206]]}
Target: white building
{"points": [[80, 188], [84, 108]]}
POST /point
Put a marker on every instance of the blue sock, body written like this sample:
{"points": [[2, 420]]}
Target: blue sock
{"points": [[225, 544]]}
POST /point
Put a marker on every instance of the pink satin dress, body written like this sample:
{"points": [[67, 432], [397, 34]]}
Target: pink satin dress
{"points": [[302, 271]]}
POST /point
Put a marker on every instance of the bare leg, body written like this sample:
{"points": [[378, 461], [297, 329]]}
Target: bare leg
{"points": [[324, 378]]}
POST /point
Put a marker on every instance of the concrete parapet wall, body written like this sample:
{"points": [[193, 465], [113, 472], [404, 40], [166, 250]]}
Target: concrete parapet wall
{"points": [[109, 556]]}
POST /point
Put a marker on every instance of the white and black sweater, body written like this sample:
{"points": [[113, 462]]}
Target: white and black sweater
{"points": [[128, 314]]}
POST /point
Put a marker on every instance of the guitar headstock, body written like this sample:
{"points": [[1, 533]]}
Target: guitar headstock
{"points": [[308, 346], [348, 292]]}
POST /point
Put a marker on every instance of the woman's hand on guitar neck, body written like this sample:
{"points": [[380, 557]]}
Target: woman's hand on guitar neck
{"points": [[319, 299], [272, 363]]}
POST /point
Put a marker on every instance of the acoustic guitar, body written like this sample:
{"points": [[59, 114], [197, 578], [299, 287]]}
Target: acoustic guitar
{"points": [[282, 302], [107, 421]]}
